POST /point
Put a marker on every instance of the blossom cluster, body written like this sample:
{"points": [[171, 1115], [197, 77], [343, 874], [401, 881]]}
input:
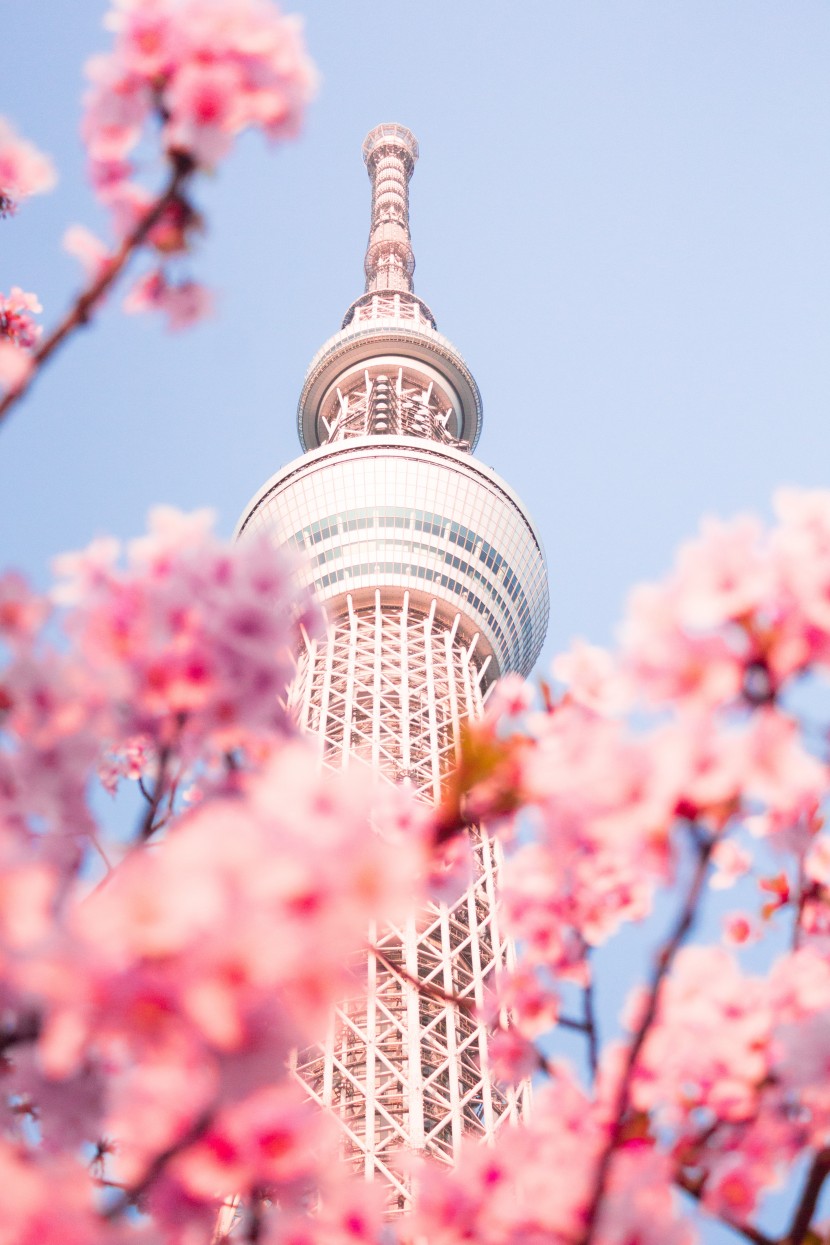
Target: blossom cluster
{"points": [[680, 761], [200, 72], [152, 1011], [19, 334]]}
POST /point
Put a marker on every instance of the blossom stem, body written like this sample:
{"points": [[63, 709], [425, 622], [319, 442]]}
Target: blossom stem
{"points": [[148, 825], [79, 313], [590, 1026], [660, 972]]}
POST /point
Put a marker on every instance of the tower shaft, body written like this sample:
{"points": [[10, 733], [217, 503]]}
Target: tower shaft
{"points": [[405, 1066]]}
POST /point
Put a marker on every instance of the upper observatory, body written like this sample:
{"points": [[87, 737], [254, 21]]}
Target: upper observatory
{"points": [[389, 371]]}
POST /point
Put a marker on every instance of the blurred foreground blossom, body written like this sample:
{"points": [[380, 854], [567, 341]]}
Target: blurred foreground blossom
{"points": [[24, 170]]}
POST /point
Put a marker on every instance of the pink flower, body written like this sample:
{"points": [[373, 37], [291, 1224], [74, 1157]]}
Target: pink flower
{"points": [[730, 861], [208, 70], [89, 250], [510, 698], [739, 929], [24, 170], [724, 574], [192, 641], [817, 863], [15, 367], [16, 323], [184, 304], [203, 101], [591, 677], [22, 611]]}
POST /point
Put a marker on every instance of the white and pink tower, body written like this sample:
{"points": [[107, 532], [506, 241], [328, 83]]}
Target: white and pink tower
{"points": [[434, 583]]}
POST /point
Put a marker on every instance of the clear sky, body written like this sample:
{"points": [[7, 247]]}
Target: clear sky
{"points": [[620, 216]]}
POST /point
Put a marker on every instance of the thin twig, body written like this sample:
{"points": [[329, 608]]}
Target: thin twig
{"points": [[801, 899], [253, 1228], [590, 1027], [80, 311], [812, 1188], [26, 1030], [148, 826], [423, 987], [568, 1022], [132, 1194], [660, 971]]}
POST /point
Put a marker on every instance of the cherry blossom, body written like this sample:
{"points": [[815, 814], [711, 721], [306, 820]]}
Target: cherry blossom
{"points": [[24, 170], [183, 304], [205, 72]]}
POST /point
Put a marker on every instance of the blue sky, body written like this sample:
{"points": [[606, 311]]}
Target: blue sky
{"points": [[619, 216]]}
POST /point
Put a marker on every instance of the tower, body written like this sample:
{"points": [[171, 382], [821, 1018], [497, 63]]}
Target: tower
{"points": [[434, 583]]}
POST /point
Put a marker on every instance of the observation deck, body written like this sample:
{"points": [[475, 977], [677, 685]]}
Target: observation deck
{"points": [[405, 515]]}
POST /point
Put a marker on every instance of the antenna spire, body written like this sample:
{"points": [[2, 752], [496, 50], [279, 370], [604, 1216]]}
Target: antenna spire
{"points": [[390, 152]]}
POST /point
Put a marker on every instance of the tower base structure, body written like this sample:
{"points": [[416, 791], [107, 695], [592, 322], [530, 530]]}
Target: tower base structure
{"points": [[405, 1064]]}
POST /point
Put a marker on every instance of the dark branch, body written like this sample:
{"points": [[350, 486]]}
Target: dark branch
{"points": [[81, 310], [661, 969], [806, 1207], [148, 824], [694, 1190], [131, 1195], [26, 1030]]}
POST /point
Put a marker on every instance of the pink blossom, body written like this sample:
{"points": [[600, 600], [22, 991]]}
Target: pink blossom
{"points": [[730, 861], [89, 250], [724, 574], [780, 771], [183, 304], [739, 929], [511, 697], [191, 640], [209, 70], [52, 1203], [204, 105], [513, 1057], [667, 663], [24, 170], [591, 677], [22, 611], [275, 1138], [15, 367], [16, 323], [817, 863], [523, 999]]}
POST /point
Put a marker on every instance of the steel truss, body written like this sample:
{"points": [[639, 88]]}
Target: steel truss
{"points": [[405, 1067]]}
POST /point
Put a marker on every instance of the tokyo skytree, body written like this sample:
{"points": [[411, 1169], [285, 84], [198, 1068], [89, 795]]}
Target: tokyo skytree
{"points": [[433, 580]]}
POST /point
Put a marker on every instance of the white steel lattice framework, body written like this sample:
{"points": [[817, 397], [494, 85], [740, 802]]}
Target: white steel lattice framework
{"points": [[434, 583]]}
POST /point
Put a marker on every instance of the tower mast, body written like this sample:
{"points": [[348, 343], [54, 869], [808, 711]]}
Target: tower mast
{"points": [[433, 580]]}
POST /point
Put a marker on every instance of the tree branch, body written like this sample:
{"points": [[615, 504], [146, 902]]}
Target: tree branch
{"points": [[423, 987], [147, 826], [661, 969], [132, 1194], [589, 1025], [80, 311], [812, 1188], [694, 1190], [26, 1030]]}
